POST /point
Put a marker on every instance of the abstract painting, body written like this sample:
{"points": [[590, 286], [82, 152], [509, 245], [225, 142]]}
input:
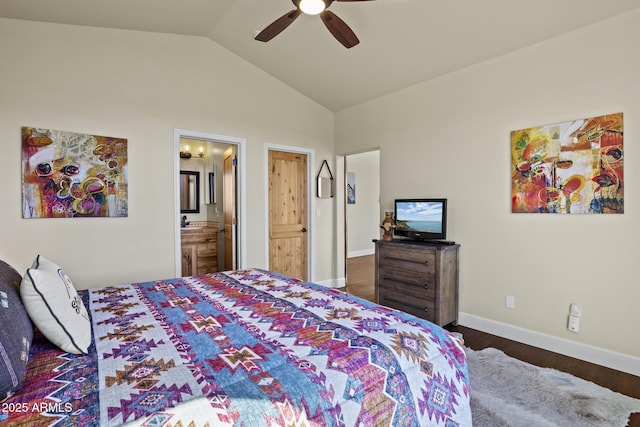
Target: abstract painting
{"points": [[571, 167], [71, 175]]}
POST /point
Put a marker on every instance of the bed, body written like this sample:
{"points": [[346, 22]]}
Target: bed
{"points": [[237, 348]]}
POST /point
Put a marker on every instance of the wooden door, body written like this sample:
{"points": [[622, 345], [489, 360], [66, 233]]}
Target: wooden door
{"points": [[288, 213], [229, 208]]}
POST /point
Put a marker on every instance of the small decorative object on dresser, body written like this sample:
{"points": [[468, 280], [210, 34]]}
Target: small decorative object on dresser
{"points": [[388, 226], [418, 278]]}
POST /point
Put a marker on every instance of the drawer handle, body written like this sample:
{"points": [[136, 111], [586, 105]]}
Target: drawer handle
{"points": [[426, 286], [426, 263]]}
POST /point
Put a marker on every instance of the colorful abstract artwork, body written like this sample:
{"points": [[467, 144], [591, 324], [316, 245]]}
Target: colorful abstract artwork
{"points": [[70, 175], [570, 167]]}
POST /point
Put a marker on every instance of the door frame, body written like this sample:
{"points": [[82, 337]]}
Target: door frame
{"points": [[311, 203], [240, 190], [342, 218]]}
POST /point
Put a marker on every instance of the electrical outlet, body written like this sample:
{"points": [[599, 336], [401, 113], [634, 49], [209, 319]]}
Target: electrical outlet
{"points": [[510, 301], [574, 324]]}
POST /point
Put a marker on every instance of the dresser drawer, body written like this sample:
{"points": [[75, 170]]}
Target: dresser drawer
{"points": [[418, 278], [422, 308], [419, 261], [407, 282]]}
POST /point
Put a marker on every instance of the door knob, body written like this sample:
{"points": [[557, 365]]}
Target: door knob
{"points": [[304, 230]]}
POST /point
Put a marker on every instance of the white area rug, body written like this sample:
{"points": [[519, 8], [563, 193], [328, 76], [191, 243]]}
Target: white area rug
{"points": [[508, 392]]}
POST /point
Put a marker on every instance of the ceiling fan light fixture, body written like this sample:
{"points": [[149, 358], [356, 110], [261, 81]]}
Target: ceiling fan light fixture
{"points": [[312, 7], [336, 26]]}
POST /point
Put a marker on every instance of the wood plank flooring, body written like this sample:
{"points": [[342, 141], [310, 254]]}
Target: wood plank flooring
{"points": [[360, 282], [361, 276]]}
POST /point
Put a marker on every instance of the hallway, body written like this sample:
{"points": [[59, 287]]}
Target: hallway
{"points": [[361, 277]]}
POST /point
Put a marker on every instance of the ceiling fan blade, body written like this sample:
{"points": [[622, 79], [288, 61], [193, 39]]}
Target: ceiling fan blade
{"points": [[339, 29], [277, 26]]}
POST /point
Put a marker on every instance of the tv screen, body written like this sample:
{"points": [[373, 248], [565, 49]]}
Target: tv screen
{"points": [[421, 219]]}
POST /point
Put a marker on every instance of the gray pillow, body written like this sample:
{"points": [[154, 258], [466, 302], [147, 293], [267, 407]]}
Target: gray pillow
{"points": [[16, 332]]}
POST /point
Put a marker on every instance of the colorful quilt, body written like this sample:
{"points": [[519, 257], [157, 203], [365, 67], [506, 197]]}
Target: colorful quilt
{"points": [[245, 348]]}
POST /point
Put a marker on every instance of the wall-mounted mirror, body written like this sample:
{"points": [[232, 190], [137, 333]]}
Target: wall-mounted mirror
{"points": [[189, 192], [212, 188], [324, 185]]}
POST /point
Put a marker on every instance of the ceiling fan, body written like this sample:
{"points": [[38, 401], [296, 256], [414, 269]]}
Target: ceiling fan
{"points": [[335, 25]]}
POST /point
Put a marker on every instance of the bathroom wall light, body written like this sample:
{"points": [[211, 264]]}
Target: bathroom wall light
{"points": [[185, 154]]}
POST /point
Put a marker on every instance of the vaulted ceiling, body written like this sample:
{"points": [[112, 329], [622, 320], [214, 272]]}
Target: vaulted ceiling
{"points": [[402, 42]]}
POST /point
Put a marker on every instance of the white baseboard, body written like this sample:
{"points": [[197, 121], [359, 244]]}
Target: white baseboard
{"points": [[600, 356], [364, 252], [333, 283]]}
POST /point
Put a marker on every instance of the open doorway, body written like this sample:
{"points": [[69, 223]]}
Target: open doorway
{"points": [[362, 221], [209, 233]]}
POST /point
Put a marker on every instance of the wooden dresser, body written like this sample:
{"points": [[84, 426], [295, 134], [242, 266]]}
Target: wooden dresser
{"points": [[418, 278], [199, 248]]}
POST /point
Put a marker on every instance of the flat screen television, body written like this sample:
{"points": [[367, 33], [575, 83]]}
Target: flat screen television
{"points": [[421, 219]]}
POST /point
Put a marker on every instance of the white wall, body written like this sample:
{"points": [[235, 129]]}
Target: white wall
{"points": [[363, 217], [141, 86], [451, 137]]}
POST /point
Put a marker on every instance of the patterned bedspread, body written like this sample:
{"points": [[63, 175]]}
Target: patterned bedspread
{"points": [[245, 348]]}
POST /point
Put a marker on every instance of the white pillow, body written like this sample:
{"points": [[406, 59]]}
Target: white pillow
{"points": [[54, 306]]}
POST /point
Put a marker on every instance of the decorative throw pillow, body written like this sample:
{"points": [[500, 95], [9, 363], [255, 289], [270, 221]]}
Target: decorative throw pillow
{"points": [[55, 307], [16, 332]]}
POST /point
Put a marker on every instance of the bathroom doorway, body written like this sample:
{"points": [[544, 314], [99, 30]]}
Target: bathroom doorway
{"points": [[218, 162]]}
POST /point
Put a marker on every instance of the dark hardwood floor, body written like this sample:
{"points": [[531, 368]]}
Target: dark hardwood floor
{"points": [[360, 282]]}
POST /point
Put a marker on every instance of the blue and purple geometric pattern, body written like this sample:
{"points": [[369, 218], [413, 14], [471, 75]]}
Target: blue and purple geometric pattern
{"points": [[255, 348]]}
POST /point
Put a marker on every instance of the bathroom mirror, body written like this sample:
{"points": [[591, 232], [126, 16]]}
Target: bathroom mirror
{"points": [[189, 192]]}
